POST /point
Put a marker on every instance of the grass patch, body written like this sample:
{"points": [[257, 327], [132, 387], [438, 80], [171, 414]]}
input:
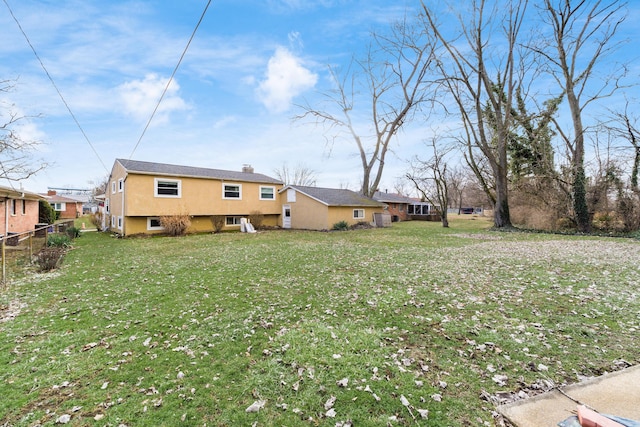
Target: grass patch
{"points": [[324, 328]]}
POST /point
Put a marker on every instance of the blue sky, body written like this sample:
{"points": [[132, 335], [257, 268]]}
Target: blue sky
{"points": [[233, 97]]}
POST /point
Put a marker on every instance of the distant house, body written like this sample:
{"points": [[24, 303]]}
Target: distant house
{"points": [[140, 193], [67, 207], [19, 210], [397, 205], [316, 208]]}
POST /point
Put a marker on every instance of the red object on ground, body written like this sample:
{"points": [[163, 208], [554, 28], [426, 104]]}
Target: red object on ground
{"points": [[589, 418]]}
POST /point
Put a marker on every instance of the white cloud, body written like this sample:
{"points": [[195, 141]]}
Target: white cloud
{"points": [[286, 78], [139, 98]]}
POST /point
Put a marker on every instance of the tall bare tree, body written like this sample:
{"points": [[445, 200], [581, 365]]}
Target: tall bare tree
{"points": [[583, 34], [16, 159], [393, 80], [479, 68], [432, 179]]}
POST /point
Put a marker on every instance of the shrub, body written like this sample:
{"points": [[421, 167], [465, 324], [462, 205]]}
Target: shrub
{"points": [[49, 258], [73, 232], [340, 226], [58, 240], [175, 225], [217, 221], [46, 213], [96, 220], [256, 218]]}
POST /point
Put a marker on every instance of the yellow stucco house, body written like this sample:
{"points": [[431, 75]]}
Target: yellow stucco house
{"points": [[140, 192], [316, 208]]}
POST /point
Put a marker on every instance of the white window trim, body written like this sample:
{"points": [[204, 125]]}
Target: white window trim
{"points": [[119, 223], [291, 195], [120, 185], [24, 207], [113, 221], [273, 192], [14, 207], [170, 196], [358, 217], [106, 206], [113, 187], [152, 228], [224, 184], [238, 218]]}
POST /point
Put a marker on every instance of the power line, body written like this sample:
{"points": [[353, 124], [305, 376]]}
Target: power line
{"points": [[56, 87], [184, 52]]}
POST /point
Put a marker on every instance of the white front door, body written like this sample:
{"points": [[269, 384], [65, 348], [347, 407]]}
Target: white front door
{"points": [[286, 216]]}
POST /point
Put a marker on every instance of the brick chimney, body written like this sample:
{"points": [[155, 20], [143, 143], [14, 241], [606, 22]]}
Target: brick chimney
{"points": [[247, 168], [51, 192]]}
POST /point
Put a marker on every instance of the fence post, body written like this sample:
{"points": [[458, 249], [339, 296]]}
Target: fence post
{"points": [[31, 233], [4, 263]]}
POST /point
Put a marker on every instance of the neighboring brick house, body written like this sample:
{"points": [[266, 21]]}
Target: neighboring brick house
{"points": [[67, 207], [18, 210], [397, 205]]}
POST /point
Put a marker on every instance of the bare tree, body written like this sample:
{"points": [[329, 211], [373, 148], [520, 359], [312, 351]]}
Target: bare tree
{"points": [[300, 175], [583, 33], [16, 161], [431, 179], [393, 78], [624, 124], [481, 75]]}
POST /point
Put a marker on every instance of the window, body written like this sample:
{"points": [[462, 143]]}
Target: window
{"points": [[113, 222], [232, 191], [233, 220], [291, 195], [59, 206], [153, 223], [168, 187], [267, 193], [120, 185], [113, 187], [358, 213], [106, 206], [24, 207], [120, 223], [13, 206]]}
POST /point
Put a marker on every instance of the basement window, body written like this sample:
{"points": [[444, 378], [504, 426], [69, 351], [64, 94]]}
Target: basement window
{"points": [[153, 223]]}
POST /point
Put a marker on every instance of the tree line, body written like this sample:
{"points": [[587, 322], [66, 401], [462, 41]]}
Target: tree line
{"points": [[516, 92]]}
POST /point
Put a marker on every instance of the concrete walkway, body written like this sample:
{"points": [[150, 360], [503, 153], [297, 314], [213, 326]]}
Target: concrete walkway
{"points": [[617, 393]]}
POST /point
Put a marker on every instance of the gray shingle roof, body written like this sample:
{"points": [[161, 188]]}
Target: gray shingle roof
{"points": [[336, 197], [151, 168], [392, 198]]}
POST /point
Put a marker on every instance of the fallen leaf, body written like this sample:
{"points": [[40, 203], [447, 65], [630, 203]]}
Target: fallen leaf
{"points": [[256, 406]]}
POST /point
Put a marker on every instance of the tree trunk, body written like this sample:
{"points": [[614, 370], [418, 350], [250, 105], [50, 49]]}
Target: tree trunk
{"points": [[501, 215]]}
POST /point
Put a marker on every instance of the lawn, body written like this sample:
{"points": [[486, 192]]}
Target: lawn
{"points": [[410, 325]]}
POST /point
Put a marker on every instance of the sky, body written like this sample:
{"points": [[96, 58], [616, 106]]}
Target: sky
{"points": [[232, 101]]}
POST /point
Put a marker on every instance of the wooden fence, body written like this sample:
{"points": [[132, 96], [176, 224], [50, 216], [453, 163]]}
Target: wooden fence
{"points": [[19, 248]]}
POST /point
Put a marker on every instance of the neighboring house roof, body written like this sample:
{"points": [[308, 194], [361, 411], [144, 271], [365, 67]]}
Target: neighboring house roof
{"points": [[335, 197], [392, 198], [11, 193], [57, 198], [151, 168]]}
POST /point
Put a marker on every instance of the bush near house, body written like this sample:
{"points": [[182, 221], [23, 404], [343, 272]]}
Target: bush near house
{"points": [[175, 225], [46, 213], [340, 226], [217, 221], [256, 218]]}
